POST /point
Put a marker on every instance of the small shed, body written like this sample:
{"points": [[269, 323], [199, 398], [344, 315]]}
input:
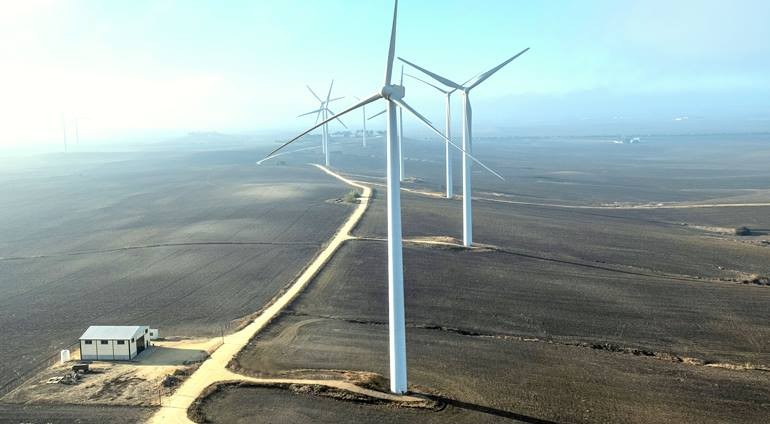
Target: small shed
{"points": [[113, 342]]}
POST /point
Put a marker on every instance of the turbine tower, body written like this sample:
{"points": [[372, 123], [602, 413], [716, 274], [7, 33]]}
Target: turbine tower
{"points": [[324, 111], [64, 131], [363, 115], [401, 133], [447, 133], [77, 131], [465, 90], [394, 96]]}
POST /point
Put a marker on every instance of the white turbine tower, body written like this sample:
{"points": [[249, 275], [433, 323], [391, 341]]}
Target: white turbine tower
{"points": [[447, 133], [465, 89], [363, 121], [394, 96], [401, 133], [324, 111], [64, 131]]}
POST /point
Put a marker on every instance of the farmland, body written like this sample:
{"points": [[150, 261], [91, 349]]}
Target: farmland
{"points": [[188, 242], [564, 314], [549, 338], [604, 291]]}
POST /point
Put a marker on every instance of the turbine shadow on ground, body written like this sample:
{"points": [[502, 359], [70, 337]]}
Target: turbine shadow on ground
{"points": [[486, 409]]}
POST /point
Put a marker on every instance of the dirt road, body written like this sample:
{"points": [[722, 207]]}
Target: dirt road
{"points": [[174, 408]]}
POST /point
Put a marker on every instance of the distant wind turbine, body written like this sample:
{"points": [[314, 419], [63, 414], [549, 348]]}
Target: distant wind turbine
{"points": [[447, 133], [394, 96], [324, 111], [64, 131], [465, 90], [363, 121]]}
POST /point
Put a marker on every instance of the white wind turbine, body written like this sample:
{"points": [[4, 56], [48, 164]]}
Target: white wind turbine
{"points": [[400, 132], [447, 134], [394, 96], [324, 111], [363, 114], [465, 89], [64, 132]]}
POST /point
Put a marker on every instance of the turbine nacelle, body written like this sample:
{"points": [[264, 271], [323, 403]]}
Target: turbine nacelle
{"points": [[393, 92]]}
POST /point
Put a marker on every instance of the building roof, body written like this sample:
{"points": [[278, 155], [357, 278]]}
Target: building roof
{"points": [[112, 332]]}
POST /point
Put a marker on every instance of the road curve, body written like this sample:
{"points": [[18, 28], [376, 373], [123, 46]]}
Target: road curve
{"points": [[213, 370]]}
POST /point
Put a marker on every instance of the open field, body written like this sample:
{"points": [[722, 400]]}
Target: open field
{"points": [[589, 315], [535, 298], [552, 341], [187, 242], [577, 306], [66, 414], [635, 240], [590, 170], [284, 406]]}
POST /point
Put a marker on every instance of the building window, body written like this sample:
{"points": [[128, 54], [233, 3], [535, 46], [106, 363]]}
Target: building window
{"points": [[88, 341], [121, 342], [103, 341]]}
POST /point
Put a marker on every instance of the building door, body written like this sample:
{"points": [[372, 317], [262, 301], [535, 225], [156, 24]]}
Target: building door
{"points": [[140, 344]]}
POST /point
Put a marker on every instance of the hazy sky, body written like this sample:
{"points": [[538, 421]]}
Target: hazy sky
{"points": [[128, 67]]}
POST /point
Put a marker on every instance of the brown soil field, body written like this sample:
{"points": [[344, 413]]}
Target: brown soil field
{"points": [[67, 414], [187, 243], [636, 240], [283, 405], [552, 341], [589, 170]]}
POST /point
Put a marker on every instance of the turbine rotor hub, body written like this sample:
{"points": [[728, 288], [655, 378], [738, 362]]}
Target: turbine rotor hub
{"points": [[393, 91]]}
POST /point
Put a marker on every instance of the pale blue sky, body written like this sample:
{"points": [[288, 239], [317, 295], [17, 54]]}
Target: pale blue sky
{"points": [[128, 67]]}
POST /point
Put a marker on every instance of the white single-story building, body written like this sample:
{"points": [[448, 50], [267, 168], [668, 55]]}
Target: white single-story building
{"points": [[113, 342]]}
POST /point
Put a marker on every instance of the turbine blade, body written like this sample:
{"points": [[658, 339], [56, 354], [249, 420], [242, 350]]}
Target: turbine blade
{"points": [[472, 78], [404, 105], [313, 93], [430, 84], [338, 119], [317, 117], [439, 78], [490, 72], [309, 113], [259, 162], [325, 121], [402, 75], [392, 47], [337, 98], [376, 115], [329, 94]]}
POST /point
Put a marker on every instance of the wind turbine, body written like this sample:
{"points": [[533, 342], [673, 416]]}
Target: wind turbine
{"points": [[64, 131], [447, 133], [400, 133], [324, 111], [363, 114], [394, 96], [465, 90]]}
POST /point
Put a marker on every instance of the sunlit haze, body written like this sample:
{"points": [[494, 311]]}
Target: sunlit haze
{"points": [[134, 69]]}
